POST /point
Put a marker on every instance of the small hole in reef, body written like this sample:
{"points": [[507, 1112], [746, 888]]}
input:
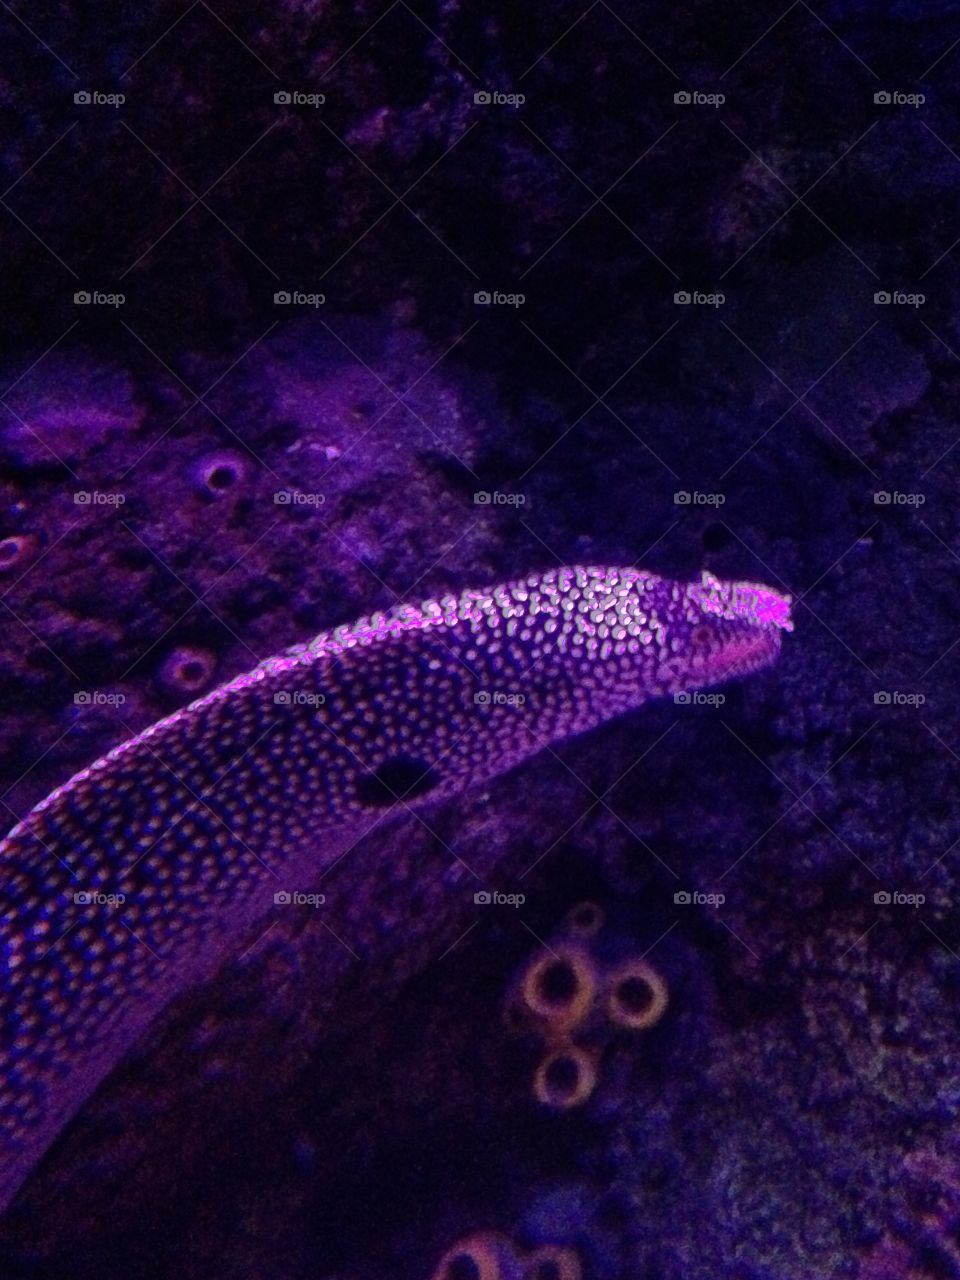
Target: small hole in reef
{"points": [[563, 1074], [586, 917], [221, 477], [546, 1269], [192, 671], [558, 983], [702, 636], [634, 995], [401, 778], [463, 1267]]}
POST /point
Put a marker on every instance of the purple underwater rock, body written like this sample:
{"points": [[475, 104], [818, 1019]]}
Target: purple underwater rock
{"points": [[67, 411]]}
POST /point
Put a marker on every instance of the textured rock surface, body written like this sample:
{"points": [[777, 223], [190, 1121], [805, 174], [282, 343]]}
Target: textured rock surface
{"points": [[795, 1112]]}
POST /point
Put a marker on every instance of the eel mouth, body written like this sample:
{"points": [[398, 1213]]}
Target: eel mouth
{"points": [[741, 627], [723, 650], [749, 649]]}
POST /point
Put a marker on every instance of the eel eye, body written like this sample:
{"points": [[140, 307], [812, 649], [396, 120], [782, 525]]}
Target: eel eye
{"points": [[399, 778], [702, 635]]}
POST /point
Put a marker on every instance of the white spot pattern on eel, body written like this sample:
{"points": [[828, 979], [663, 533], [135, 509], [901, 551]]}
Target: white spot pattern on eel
{"points": [[281, 770]]}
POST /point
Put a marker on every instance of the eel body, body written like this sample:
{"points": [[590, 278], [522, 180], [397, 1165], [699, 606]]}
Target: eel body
{"points": [[143, 873]]}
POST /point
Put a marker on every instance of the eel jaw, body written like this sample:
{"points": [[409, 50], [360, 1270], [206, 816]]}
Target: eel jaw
{"points": [[736, 627]]}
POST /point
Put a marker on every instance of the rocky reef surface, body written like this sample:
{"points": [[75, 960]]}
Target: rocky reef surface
{"points": [[737, 349]]}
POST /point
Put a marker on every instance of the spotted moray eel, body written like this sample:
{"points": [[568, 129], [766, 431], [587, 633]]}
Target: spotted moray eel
{"points": [[141, 875]]}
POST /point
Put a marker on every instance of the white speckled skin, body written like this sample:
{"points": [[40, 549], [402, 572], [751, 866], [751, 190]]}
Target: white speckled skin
{"points": [[144, 872]]}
